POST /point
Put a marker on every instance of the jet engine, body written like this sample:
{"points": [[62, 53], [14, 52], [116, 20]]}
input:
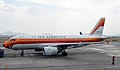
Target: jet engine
{"points": [[50, 50]]}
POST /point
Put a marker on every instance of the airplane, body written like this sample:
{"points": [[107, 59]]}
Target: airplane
{"points": [[54, 44]]}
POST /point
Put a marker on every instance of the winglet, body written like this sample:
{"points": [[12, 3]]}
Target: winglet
{"points": [[98, 29]]}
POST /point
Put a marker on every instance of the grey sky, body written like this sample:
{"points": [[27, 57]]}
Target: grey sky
{"points": [[58, 16]]}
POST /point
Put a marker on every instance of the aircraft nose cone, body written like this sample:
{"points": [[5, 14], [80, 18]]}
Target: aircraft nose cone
{"points": [[6, 44]]}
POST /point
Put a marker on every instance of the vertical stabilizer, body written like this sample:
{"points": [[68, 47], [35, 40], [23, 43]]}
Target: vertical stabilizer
{"points": [[98, 29]]}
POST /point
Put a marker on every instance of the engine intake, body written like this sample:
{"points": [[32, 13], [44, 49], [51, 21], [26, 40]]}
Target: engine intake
{"points": [[50, 50]]}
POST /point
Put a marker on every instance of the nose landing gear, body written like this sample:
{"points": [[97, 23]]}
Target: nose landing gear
{"points": [[22, 53]]}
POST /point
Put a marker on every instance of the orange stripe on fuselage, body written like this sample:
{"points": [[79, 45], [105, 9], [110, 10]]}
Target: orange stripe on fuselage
{"points": [[52, 40]]}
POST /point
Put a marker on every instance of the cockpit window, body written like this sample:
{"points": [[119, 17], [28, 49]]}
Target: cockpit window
{"points": [[12, 39]]}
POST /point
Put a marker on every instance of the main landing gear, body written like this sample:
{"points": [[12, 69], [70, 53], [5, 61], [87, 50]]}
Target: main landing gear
{"points": [[22, 53], [64, 53]]}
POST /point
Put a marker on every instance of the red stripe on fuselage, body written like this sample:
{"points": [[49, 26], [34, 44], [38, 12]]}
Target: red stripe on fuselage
{"points": [[50, 40]]}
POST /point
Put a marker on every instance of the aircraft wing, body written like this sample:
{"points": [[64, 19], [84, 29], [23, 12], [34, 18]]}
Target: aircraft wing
{"points": [[69, 45]]}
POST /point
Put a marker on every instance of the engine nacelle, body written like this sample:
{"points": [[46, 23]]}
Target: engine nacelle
{"points": [[50, 50]]}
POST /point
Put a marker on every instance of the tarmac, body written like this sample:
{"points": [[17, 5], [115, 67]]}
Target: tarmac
{"points": [[92, 57]]}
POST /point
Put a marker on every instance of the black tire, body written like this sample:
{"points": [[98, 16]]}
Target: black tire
{"points": [[64, 53]]}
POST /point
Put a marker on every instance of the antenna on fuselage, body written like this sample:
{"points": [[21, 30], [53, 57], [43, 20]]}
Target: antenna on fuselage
{"points": [[80, 33]]}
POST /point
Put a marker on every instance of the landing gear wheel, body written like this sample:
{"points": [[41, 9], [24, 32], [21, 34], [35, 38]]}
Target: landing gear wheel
{"points": [[64, 53], [22, 53]]}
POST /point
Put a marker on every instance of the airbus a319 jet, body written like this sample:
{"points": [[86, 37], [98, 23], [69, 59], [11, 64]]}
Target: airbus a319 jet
{"points": [[54, 44]]}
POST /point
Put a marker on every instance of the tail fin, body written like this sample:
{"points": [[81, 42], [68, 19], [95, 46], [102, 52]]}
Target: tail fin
{"points": [[98, 29]]}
